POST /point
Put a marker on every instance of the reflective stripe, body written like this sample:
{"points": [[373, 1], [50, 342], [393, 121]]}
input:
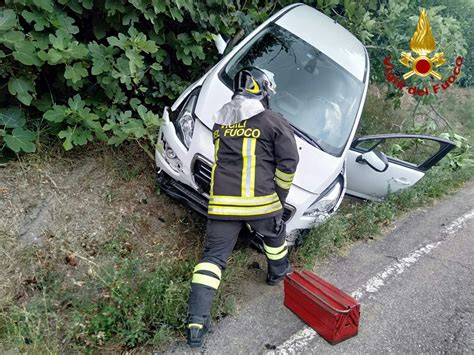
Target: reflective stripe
{"points": [[209, 267], [216, 149], [248, 166], [244, 211], [244, 166], [243, 201], [274, 250], [255, 89], [284, 176], [253, 163], [277, 256], [195, 325], [283, 184], [206, 280]]}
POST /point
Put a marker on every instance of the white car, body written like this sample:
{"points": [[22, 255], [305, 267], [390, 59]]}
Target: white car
{"points": [[322, 73]]}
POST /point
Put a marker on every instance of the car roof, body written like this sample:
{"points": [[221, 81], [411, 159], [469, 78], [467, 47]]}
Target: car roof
{"points": [[329, 37]]}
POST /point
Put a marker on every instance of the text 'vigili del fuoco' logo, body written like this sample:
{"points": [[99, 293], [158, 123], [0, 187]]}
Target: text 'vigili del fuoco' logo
{"points": [[423, 63]]}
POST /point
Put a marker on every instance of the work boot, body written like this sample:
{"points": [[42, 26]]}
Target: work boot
{"points": [[196, 328], [274, 280]]}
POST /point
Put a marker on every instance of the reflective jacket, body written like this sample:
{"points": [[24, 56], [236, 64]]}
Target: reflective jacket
{"points": [[255, 162]]}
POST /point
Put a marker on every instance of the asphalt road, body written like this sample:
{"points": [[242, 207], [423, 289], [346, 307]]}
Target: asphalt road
{"points": [[415, 284]]}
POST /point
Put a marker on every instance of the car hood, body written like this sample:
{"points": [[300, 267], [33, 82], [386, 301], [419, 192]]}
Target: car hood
{"points": [[316, 169]]}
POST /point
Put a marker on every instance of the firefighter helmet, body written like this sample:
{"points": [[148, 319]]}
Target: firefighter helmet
{"points": [[254, 83]]}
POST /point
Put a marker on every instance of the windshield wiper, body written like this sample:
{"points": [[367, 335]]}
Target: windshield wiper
{"points": [[306, 137]]}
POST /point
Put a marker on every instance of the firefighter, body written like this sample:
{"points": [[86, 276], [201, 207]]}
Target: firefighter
{"points": [[255, 158]]}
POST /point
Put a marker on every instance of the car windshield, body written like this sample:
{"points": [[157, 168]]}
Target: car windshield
{"points": [[318, 97]]}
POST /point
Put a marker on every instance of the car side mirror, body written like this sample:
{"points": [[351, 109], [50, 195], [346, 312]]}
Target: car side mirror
{"points": [[220, 43], [375, 159]]}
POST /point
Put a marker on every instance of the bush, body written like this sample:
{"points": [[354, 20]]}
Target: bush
{"points": [[84, 70]]}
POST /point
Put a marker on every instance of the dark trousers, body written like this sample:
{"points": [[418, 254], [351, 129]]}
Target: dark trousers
{"points": [[221, 239]]}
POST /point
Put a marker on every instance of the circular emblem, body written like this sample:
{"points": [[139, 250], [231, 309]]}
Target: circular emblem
{"points": [[422, 66]]}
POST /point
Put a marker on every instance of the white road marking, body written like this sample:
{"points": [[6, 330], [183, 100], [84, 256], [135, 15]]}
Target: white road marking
{"points": [[299, 341]]}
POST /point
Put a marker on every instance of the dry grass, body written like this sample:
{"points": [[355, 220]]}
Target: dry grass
{"points": [[83, 234]]}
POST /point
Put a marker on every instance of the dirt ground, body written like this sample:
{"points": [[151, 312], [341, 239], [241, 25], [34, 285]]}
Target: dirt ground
{"points": [[77, 203]]}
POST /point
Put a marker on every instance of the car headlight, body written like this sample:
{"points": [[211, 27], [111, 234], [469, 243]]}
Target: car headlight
{"points": [[184, 123], [327, 201]]}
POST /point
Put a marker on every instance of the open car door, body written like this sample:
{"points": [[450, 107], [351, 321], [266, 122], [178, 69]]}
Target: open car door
{"points": [[379, 164]]}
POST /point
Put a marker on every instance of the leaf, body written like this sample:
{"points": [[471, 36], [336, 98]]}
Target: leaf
{"points": [[12, 117], [186, 59], [7, 19], [135, 60], [25, 53], [21, 88], [77, 51], [20, 139], [44, 4], [76, 72], [134, 127], [74, 5], [56, 114], [118, 138], [11, 38], [67, 136], [40, 40], [65, 23], [120, 41], [87, 4], [176, 14], [122, 71], [114, 6], [75, 136], [76, 103], [134, 102], [60, 40], [40, 22], [130, 18], [53, 56], [100, 58], [2, 54], [44, 103]]}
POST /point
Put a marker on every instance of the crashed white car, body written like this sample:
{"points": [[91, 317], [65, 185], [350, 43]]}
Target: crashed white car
{"points": [[322, 73]]}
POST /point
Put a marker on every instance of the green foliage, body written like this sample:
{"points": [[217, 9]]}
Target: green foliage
{"points": [[103, 71], [461, 156], [126, 60], [13, 133]]}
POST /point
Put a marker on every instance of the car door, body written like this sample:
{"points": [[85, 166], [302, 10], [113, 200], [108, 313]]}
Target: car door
{"points": [[379, 164]]}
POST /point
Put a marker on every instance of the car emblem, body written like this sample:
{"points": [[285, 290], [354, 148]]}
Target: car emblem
{"points": [[422, 43]]}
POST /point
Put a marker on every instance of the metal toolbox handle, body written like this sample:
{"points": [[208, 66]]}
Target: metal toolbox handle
{"points": [[336, 297], [319, 298]]}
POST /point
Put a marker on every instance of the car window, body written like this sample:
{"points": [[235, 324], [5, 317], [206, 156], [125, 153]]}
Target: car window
{"points": [[314, 94], [415, 151]]}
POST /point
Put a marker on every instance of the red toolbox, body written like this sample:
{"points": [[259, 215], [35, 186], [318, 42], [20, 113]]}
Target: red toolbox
{"points": [[332, 313]]}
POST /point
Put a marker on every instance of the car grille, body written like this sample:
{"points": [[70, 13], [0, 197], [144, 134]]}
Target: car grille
{"points": [[202, 177]]}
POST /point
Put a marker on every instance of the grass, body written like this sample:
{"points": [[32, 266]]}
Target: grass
{"points": [[121, 306], [115, 295]]}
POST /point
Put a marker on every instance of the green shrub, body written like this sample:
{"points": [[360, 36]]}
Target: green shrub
{"points": [[84, 70], [102, 69]]}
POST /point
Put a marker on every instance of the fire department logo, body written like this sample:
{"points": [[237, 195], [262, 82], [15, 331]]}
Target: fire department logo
{"points": [[423, 65], [422, 43]]}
